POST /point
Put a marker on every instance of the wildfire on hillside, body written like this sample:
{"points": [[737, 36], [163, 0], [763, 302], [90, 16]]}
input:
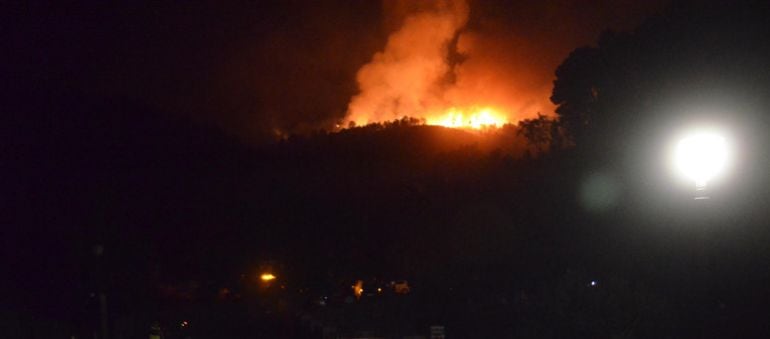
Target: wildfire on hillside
{"points": [[473, 118], [434, 69]]}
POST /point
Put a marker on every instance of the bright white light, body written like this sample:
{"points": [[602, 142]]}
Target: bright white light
{"points": [[701, 156]]}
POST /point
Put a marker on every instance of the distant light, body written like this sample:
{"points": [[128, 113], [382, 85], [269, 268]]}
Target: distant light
{"points": [[593, 283], [358, 288], [379, 289], [701, 156], [267, 277]]}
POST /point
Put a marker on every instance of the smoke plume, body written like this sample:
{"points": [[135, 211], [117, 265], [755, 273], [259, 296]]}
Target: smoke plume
{"points": [[408, 77], [445, 56], [432, 64]]}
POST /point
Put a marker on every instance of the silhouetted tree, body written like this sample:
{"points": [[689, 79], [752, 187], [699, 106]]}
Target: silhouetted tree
{"points": [[576, 91], [542, 133], [700, 55]]}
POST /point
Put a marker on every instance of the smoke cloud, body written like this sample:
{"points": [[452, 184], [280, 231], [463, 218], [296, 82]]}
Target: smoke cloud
{"points": [[431, 64], [407, 78], [445, 55]]}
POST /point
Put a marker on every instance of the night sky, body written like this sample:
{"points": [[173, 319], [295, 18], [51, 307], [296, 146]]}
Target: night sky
{"points": [[266, 68]]}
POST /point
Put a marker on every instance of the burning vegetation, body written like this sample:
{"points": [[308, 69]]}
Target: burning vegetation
{"points": [[433, 68]]}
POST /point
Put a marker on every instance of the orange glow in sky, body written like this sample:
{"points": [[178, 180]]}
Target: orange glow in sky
{"points": [[412, 76]]}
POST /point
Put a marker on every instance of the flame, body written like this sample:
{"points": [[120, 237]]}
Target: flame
{"points": [[475, 118]]}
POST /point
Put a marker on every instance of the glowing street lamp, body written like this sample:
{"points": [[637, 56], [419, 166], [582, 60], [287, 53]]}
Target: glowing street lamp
{"points": [[701, 156]]}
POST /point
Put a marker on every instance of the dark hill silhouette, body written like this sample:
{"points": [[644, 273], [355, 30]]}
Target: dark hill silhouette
{"points": [[162, 191]]}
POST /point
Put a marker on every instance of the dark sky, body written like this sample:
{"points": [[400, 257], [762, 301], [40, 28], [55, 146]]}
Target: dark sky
{"points": [[263, 68]]}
